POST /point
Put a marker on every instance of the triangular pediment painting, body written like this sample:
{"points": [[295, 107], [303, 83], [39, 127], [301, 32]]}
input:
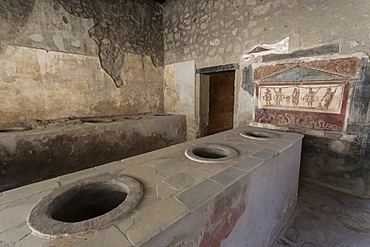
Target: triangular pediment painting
{"points": [[302, 73]]}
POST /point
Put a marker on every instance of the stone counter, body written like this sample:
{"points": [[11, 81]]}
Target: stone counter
{"points": [[55, 148], [186, 203]]}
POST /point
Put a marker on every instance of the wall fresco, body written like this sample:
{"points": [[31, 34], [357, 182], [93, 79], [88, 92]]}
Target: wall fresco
{"points": [[310, 95], [326, 98]]}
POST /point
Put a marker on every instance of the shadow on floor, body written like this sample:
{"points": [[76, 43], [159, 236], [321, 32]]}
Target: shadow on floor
{"points": [[326, 218]]}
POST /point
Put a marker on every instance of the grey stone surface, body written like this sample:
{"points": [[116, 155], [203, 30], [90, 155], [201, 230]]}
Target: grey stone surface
{"points": [[31, 241], [265, 154], [164, 190], [163, 213], [15, 234], [136, 236], [14, 216], [249, 164], [107, 237], [181, 181], [197, 195], [228, 176]]}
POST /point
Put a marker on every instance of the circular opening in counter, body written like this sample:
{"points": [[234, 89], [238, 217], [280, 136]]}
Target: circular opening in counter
{"points": [[162, 114], [85, 205], [97, 120], [132, 118], [211, 153], [15, 128], [259, 135], [88, 201]]}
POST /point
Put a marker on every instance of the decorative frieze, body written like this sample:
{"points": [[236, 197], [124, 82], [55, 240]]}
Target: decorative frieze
{"points": [[305, 94]]}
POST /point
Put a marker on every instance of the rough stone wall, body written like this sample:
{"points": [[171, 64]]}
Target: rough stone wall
{"points": [[103, 59], [219, 32], [121, 27]]}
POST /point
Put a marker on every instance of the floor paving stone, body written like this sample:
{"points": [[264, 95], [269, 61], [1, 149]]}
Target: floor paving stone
{"points": [[326, 218]]}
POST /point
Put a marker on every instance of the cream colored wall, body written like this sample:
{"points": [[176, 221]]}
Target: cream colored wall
{"points": [[36, 84], [50, 68]]}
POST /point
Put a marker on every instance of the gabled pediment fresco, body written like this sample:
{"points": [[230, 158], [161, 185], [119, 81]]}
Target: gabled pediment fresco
{"points": [[301, 73], [311, 95]]}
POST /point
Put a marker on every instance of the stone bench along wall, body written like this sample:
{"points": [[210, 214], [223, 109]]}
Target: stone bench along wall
{"points": [[42, 153]]}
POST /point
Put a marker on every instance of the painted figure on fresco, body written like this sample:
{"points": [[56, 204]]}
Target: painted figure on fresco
{"points": [[279, 96], [268, 97], [295, 97], [310, 96], [328, 97]]}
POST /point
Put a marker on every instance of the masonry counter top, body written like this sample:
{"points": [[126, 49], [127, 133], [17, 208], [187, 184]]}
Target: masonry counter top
{"points": [[185, 202]]}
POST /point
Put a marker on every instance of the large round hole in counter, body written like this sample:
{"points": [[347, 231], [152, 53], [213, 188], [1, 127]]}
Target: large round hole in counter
{"points": [[85, 205], [211, 153], [88, 201]]}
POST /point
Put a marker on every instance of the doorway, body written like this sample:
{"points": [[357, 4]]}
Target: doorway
{"points": [[221, 102]]}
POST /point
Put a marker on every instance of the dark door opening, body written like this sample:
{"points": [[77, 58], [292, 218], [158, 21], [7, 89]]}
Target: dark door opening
{"points": [[221, 102]]}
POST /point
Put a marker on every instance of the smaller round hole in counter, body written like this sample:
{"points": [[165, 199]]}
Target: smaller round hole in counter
{"points": [[97, 120], [259, 135], [162, 114], [132, 118], [15, 128], [211, 153]]}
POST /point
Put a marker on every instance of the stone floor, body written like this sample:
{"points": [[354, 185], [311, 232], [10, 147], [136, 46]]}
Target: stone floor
{"points": [[326, 218]]}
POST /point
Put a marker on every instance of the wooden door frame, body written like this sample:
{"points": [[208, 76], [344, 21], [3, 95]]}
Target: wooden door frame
{"points": [[202, 97]]}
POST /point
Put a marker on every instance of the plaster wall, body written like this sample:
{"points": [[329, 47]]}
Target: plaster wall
{"points": [[42, 43], [219, 32], [179, 93]]}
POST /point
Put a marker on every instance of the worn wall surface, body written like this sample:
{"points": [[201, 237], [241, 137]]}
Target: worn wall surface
{"points": [[61, 59], [179, 93], [219, 32]]}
